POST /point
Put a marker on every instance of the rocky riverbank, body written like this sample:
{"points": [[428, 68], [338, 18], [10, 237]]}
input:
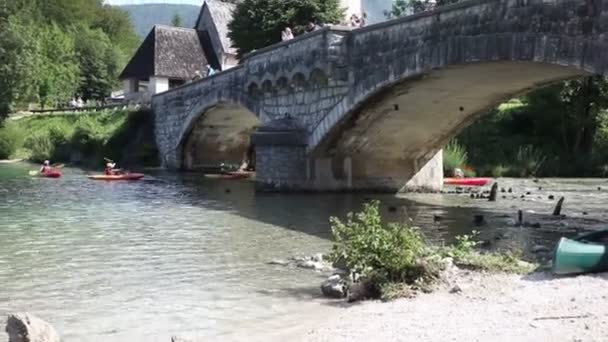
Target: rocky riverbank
{"points": [[481, 307]]}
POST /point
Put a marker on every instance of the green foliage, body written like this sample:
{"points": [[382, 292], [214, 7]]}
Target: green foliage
{"points": [[454, 156], [115, 134], [401, 8], [464, 246], [18, 61], [58, 70], [258, 23], [389, 253], [500, 171], [48, 46], [528, 161], [116, 23], [176, 20], [565, 121], [41, 147], [465, 255], [394, 261], [10, 139], [99, 63]]}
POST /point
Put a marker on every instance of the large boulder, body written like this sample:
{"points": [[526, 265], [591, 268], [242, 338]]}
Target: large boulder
{"points": [[24, 327], [335, 287]]}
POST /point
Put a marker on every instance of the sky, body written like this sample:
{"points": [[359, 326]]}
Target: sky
{"points": [[139, 2]]}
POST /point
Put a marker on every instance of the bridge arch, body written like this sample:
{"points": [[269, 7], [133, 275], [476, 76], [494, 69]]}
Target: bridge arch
{"points": [[217, 134]]}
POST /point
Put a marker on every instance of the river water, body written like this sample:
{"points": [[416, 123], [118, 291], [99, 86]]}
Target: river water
{"points": [[180, 255]]}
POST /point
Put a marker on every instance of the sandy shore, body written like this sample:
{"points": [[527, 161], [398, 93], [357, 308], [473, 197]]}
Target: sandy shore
{"points": [[497, 307]]}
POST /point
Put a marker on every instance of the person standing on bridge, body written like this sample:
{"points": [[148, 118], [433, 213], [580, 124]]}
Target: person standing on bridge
{"points": [[286, 34], [312, 26], [363, 20]]}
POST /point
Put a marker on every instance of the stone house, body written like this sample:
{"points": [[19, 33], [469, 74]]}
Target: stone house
{"points": [[171, 56], [167, 58], [213, 19]]}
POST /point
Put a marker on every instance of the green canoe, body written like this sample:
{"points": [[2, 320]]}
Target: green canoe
{"points": [[584, 254]]}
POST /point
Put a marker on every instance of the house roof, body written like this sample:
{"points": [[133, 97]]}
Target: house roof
{"points": [[221, 15], [172, 52]]}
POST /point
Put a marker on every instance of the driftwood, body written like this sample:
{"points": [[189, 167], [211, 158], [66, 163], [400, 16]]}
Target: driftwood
{"points": [[493, 192], [546, 318], [558, 208]]}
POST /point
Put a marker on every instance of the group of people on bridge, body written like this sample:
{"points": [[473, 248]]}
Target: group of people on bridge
{"points": [[355, 22]]}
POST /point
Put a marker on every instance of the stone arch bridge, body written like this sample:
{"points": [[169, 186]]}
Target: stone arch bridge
{"points": [[370, 109]]}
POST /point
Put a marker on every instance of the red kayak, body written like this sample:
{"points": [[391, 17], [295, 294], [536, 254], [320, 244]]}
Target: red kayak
{"points": [[231, 175], [51, 174], [240, 174], [466, 181], [127, 176]]}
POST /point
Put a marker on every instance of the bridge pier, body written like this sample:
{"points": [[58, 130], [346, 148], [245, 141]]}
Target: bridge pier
{"points": [[283, 165]]}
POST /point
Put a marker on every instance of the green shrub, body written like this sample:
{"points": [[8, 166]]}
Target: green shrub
{"points": [[464, 255], [454, 156], [394, 261], [10, 140], [41, 147], [528, 161], [499, 171], [389, 253]]}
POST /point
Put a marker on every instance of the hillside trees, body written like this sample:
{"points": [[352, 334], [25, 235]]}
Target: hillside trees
{"points": [[53, 50]]}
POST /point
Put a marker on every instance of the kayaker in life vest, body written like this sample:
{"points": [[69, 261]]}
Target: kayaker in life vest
{"points": [[46, 167]]}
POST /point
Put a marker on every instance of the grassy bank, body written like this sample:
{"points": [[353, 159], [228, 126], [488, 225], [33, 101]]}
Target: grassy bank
{"points": [[83, 138]]}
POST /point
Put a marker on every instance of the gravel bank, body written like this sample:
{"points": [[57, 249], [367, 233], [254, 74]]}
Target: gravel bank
{"points": [[490, 307]]}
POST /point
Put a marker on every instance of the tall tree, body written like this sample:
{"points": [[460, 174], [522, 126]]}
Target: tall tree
{"points": [[176, 20], [116, 23], [258, 23], [99, 63], [58, 70], [18, 62]]}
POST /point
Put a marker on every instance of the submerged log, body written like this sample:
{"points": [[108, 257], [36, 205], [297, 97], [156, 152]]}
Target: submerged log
{"points": [[493, 192], [520, 217], [558, 208]]}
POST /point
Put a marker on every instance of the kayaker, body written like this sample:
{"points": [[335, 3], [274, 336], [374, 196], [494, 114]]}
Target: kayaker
{"points": [[46, 167], [244, 166], [110, 168]]}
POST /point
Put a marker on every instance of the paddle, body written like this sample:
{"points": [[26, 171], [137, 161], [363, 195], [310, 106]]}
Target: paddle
{"points": [[33, 173]]}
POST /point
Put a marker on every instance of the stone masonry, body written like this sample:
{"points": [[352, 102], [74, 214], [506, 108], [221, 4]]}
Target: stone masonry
{"points": [[377, 104]]}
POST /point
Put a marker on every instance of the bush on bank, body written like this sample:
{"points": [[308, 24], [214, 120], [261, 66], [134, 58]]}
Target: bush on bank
{"points": [[393, 260], [84, 138], [10, 140]]}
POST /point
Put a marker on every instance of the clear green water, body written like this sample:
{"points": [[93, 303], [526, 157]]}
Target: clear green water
{"points": [[179, 255]]}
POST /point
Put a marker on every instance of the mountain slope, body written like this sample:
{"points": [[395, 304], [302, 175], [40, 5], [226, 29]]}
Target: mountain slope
{"points": [[144, 17]]}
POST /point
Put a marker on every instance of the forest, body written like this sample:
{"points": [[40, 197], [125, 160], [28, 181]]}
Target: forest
{"points": [[55, 50]]}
